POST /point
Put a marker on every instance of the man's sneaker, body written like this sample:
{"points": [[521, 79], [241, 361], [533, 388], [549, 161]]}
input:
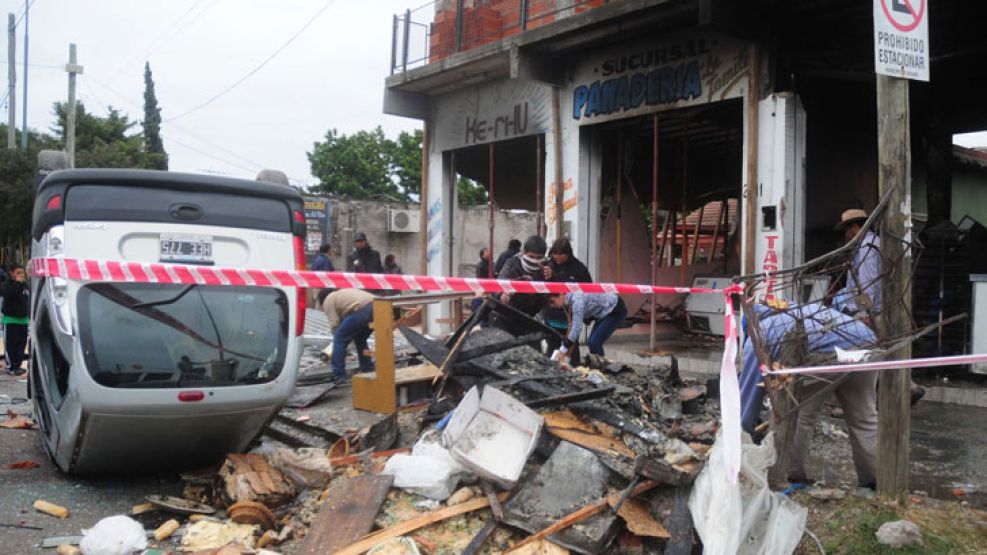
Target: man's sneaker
{"points": [[16, 373], [341, 381]]}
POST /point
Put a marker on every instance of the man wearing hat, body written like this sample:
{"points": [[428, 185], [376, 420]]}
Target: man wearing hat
{"points": [[363, 259], [863, 280]]}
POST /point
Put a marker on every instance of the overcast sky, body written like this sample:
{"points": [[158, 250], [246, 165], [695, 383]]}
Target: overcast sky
{"points": [[331, 75]]}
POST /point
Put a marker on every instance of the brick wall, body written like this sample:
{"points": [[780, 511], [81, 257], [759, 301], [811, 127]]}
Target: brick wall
{"points": [[486, 21]]}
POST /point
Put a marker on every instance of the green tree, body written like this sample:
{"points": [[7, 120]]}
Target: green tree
{"points": [[356, 166], [406, 162], [156, 157], [102, 142], [470, 192]]}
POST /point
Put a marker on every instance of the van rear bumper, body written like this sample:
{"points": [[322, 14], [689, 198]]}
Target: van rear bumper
{"points": [[147, 442]]}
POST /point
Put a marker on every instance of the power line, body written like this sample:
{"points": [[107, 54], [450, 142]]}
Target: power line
{"points": [[258, 68], [23, 13], [176, 27], [182, 130]]}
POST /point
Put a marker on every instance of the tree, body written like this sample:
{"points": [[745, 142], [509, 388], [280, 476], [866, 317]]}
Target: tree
{"points": [[470, 192], [156, 157], [356, 166], [103, 142], [406, 162]]}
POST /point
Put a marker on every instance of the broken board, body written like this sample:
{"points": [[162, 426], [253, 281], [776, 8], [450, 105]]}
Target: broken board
{"points": [[305, 395], [348, 514]]}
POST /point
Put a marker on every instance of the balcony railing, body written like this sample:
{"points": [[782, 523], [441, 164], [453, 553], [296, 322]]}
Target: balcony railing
{"points": [[441, 28]]}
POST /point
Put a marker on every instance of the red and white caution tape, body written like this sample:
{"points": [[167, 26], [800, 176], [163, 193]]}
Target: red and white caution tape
{"points": [[884, 365], [143, 272], [115, 271]]}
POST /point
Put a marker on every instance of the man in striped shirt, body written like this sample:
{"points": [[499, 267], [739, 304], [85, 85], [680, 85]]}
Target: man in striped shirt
{"points": [[607, 309]]}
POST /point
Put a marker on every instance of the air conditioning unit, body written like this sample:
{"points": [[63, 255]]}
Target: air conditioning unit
{"points": [[403, 221], [704, 311]]}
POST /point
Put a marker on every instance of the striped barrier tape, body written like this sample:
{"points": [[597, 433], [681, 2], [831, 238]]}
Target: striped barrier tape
{"points": [[151, 272], [148, 272]]}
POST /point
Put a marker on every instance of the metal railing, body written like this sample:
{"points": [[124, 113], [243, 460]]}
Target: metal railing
{"points": [[438, 29]]}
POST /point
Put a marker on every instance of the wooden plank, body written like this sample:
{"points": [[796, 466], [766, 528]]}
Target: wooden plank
{"points": [[408, 526], [348, 513], [407, 375], [894, 178], [380, 393]]}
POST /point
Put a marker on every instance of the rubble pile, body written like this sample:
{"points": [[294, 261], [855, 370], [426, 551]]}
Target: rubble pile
{"points": [[513, 453]]}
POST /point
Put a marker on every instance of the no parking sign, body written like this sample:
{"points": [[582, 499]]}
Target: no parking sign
{"points": [[901, 38]]}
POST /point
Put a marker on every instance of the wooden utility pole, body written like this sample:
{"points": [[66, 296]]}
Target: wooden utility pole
{"points": [[894, 176], [11, 82], [72, 69]]}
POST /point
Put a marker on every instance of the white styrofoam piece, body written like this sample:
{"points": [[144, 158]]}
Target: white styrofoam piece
{"points": [[493, 435]]}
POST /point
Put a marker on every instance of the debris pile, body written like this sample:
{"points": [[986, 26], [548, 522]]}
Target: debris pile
{"points": [[514, 453]]}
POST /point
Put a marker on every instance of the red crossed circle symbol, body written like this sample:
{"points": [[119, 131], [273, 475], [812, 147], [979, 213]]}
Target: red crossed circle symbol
{"points": [[905, 27]]}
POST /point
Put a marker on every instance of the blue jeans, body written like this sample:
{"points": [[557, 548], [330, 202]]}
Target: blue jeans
{"points": [[356, 328], [604, 327]]}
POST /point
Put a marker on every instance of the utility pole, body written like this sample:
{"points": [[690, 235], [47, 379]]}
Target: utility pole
{"points": [[73, 69], [27, 6], [11, 83], [894, 176]]}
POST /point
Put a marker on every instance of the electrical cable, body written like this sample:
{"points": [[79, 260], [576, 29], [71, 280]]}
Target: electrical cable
{"points": [[249, 74], [176, 27], [23, 13]]}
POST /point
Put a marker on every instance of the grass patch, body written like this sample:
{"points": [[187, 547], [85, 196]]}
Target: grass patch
{"points": [[848, 526]]}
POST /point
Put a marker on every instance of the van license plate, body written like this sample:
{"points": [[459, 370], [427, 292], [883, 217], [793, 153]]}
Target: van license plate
{"points": [[186, 248]]}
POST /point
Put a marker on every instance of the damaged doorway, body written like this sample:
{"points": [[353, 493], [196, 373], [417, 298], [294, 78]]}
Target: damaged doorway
{"points": [[511, 173], [670, 192]]}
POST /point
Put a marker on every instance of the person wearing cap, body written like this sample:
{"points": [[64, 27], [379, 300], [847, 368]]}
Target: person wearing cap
{"points": [[363, 259], [350, 313], [528, 265], [862, 294], [863, 281]]}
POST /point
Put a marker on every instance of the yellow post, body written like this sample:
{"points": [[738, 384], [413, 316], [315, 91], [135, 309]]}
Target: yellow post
{"points": [[377, 392]]}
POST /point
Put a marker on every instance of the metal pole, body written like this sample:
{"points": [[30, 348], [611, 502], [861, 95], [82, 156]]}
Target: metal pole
{"points": [[394, 43], [11, 83], [685, 213], [72, 68], [27, 5], [695, 236], [407, 29], [620, 187], [539, 186], [459, 25], [490, 203], [524, 15], [654, 231]]}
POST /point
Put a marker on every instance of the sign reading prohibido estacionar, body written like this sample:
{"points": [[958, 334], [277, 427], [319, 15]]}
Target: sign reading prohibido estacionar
{"points": [[901, 38]]}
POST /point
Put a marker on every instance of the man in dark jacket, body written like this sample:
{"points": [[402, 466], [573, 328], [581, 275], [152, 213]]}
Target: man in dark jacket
{"points": [[363, 259], [15, 320], [513, 247], [529, 265]]}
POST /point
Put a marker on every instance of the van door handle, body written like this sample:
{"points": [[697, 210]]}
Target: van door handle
{"points": [[185, 211]]}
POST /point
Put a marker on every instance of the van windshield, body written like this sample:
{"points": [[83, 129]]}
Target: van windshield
{"points": [[147, 335]]}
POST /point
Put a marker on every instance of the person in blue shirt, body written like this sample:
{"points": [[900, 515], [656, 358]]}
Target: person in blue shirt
{"points": [[606, 309], [824, 330], [322, 262]]}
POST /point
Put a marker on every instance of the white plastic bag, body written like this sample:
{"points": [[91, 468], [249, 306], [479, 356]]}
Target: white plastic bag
{"points": [[114, 535], [746, 518]]}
